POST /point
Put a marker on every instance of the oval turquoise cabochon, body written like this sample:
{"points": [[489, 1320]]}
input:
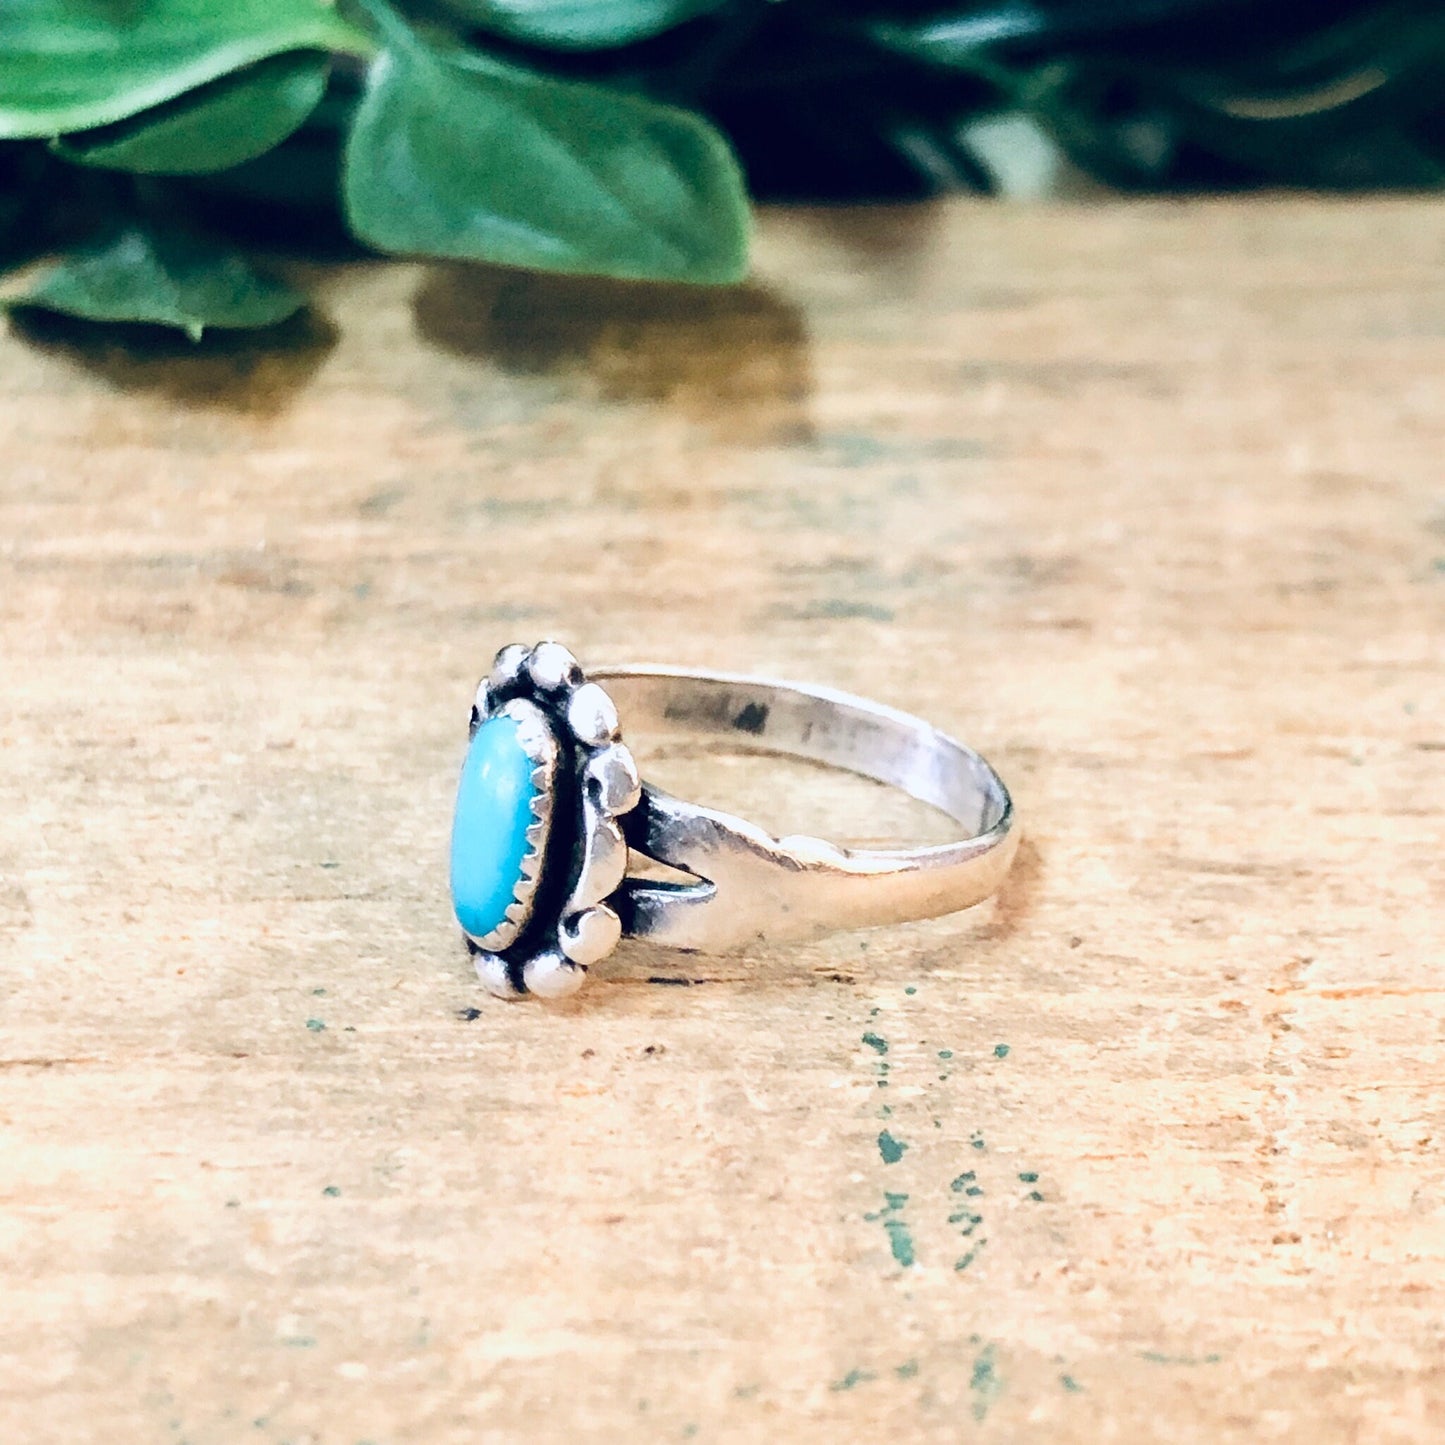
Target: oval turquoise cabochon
{"points": [[489, 827]]}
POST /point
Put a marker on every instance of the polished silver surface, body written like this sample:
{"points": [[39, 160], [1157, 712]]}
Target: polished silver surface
{"points": [[751, 887]]}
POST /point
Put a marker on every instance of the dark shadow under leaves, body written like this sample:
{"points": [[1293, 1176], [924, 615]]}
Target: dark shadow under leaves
{"points": [[735, 359], [245, 371], [886, 240]]}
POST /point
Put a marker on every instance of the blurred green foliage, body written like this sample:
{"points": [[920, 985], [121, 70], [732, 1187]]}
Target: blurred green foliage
{"points": [[145, 144]]}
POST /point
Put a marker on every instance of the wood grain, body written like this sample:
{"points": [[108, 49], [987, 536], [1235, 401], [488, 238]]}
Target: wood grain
{"points": [[1144, 500]]}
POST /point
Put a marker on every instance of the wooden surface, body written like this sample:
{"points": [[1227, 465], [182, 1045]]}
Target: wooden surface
{"points": [[1146, 501]]}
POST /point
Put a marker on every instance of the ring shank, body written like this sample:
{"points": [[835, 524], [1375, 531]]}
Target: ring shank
{"points": [[753, 886]]}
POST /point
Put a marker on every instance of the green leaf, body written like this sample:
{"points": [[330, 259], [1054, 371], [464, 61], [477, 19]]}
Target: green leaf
{"points": [[456, 155], [72, 64], [213, 127], [964, 46], [579, 24], [956, 41], [167, 279]]}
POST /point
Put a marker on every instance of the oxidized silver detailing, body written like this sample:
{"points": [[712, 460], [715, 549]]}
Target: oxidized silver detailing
{"points": [[507, 667], [591, 715], [604, 857], [553, 668], [549, 975], [589, 935], [565, 723], [534, 734], [613, 780]]}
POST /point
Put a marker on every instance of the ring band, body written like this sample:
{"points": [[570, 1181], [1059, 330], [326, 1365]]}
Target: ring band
{"points": [[550, 806]]}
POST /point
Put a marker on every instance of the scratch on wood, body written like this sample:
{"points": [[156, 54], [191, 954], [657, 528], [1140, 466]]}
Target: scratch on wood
{"points": [[1278, 1147]]}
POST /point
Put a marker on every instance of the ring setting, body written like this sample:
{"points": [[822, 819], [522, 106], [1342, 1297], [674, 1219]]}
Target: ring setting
{"points": [[551, 812], [536, 844]]}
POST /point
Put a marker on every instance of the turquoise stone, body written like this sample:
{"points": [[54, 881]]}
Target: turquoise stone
{"points": [[489, 828]]}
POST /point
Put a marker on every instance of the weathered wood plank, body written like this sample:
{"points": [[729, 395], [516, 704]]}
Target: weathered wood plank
{"points": [[1144, 500]]}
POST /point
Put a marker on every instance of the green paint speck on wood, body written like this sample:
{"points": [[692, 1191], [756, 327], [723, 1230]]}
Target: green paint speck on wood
{"points": [[851, 1379], [907, 1370], [1000, 1051], [900, 1241], [879, 1046], [332, 1192], [963, 1262], [1070, 1384], [984, 1382], [890, 1148], [315, 1025]]}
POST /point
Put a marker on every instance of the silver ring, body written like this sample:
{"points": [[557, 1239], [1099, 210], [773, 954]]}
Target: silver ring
{"points": [[551, 810]]}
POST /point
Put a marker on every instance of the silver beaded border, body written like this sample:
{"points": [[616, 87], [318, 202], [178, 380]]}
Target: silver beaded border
{"points": [[547, 684]]}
